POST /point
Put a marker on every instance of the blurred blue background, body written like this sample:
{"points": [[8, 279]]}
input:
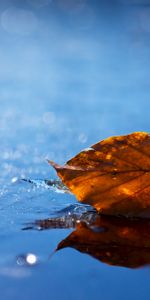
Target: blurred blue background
{"points": [[72, 72]]}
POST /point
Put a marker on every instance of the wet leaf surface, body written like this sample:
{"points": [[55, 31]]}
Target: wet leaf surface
{"points": [[113, 175]]}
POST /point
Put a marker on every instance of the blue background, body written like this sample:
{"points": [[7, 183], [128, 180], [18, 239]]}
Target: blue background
{"points": [[71, 73]]}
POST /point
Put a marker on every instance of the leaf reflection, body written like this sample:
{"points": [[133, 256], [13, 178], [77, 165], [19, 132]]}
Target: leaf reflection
{"points": [[115, 241], [118, 242]]}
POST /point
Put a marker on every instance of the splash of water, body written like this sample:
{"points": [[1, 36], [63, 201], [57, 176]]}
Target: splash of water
{"points": [[54, 185], [68, 217]]}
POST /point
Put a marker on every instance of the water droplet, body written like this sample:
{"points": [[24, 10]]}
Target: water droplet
{"points": [[14, 179], [55, 185]]}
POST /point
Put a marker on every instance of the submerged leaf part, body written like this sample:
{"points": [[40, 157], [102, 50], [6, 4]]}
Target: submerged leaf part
{"points": [[114, 177]]}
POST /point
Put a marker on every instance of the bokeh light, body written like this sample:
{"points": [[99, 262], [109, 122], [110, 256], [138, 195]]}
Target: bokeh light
{"points": [[19, 21], [29, 259]]}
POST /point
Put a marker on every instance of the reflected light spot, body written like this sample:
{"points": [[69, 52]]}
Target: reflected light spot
{"points": [[88, 149], [18, 21], [27, 259], [31, 259], [126, 191], [14, 179], [108, 156]]}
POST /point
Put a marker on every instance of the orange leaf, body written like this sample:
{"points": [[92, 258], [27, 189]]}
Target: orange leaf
{"points": [[112, 175]]}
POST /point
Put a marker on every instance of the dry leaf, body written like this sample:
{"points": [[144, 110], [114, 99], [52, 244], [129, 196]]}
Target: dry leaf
{"points": [[114, 241], [112, 175]]}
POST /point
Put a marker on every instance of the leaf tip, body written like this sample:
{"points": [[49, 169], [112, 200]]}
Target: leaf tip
{"points": [[53, 164]]}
